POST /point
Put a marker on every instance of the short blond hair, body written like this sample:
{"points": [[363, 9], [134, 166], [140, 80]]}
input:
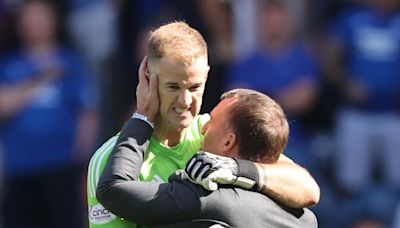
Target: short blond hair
{"points": [[178, 41]]}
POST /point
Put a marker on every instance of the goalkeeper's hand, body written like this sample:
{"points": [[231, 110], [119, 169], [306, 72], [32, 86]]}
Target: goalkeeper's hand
{"points": [[209, 170]]}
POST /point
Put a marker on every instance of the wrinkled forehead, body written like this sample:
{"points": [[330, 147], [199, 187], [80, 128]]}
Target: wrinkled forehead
{"points": [[200, 61]]}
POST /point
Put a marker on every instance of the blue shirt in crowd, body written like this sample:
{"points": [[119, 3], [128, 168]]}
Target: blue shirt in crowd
{"points": [[271, 72], [372, 43], [41, 135]]}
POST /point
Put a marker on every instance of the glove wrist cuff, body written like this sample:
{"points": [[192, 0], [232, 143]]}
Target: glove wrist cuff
{"points": [[248, 170]]}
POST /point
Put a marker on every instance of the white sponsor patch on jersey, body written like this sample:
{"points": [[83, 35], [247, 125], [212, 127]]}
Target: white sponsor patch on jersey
{"points": [[99, 215], [157, 179]]}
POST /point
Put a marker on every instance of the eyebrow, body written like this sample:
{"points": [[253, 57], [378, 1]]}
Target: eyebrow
{"points": [[198, 84]]}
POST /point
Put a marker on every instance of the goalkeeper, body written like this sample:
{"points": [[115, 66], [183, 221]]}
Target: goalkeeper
{"points": [[170, 90], [243, 119]]}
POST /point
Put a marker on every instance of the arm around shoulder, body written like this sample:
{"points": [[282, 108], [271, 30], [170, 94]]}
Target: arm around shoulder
{"points": [[123, 165], [289, 183], [120, 191]]}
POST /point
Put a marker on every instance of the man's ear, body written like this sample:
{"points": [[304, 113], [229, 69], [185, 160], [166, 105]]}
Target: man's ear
{"points": [[230, 142]]}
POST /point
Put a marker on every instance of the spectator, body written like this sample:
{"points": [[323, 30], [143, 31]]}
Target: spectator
{"points": [[231, 19], [49, 120], [92, 25], [365, 66], [283, 68]]}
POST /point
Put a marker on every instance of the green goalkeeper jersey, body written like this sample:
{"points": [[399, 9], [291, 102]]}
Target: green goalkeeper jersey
{"points": [[159, 163]]}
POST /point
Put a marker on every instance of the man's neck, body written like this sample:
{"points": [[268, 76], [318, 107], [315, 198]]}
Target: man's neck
{"points": [[167, 136]]}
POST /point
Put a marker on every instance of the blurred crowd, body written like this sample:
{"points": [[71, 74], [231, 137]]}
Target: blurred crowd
{"points": [[68, 73]]}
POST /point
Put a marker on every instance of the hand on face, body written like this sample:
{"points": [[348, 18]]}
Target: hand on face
{"points": [[147, 98]]}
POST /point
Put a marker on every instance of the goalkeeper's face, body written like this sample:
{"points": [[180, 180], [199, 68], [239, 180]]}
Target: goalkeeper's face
{"points": [[180, 90], [219, 138]]}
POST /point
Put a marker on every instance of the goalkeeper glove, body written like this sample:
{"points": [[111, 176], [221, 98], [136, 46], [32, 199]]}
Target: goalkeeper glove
{"points": [[209, 170]]}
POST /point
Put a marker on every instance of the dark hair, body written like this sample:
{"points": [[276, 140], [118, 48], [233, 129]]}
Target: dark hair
{"points": [[259, 123]]}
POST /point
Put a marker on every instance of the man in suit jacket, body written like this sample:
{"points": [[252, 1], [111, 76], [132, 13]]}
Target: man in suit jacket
{"points": [[246, 125]]}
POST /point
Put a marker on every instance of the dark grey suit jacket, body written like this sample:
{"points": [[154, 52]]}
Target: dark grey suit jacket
{"points": [[181, 203]]}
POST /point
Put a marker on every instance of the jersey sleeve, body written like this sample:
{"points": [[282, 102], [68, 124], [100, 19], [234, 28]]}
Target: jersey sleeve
{"points": [[98, 215]]}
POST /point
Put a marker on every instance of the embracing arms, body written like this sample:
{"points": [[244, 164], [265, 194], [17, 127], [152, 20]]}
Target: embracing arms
{"points": [[283, 181], [288, 183], [120, 191]]}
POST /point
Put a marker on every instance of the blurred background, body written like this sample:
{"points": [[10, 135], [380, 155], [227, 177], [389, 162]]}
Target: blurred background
{"points": [[68, 73]]}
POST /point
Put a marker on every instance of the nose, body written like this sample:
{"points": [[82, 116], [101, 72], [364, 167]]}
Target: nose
{"points": [[185, 98], [205, 128]]}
